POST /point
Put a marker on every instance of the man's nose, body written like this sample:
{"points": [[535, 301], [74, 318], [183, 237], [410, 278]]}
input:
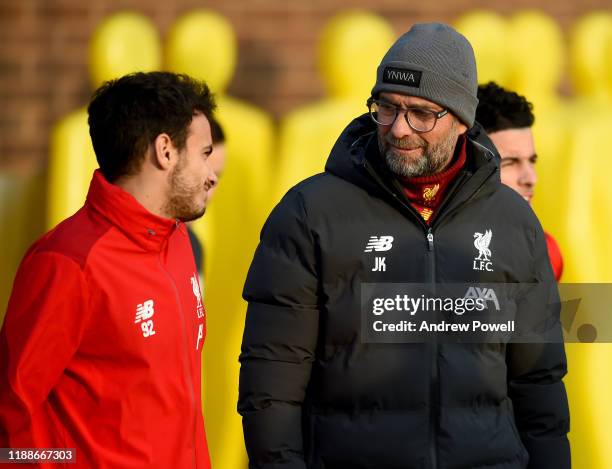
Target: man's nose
{"points": [[528, 175], [212, 179], [400, 127]]}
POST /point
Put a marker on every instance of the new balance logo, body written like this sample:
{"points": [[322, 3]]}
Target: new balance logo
{"points": [[144, 313], [379, 243]]}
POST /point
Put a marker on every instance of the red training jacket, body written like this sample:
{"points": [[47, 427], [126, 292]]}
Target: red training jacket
{"points": [[554, 252], [100, 348]]}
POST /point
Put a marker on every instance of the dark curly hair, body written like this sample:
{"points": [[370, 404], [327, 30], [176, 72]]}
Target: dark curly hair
{"points": [[501, 109], [127, 114], [218, 135]]}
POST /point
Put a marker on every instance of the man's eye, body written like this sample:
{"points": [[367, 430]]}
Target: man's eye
{"points": [[386, 109], [421, 114]]}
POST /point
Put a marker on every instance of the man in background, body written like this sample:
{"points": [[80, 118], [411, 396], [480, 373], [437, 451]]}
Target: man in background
{"points": [[216, 162], [508, 117], [100, 350]]}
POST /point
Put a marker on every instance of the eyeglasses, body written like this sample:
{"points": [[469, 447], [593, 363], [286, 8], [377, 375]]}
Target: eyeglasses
{"points": [[419, 119]]}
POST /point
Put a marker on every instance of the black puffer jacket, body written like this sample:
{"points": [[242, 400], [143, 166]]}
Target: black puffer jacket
{"points": [[314, 395]]}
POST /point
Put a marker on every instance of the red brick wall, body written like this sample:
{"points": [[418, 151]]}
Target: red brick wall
{"points": [[43, 71]]}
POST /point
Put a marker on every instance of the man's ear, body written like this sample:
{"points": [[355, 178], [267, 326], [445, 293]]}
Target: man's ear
{"points": [[460, 127], [165, 154]]}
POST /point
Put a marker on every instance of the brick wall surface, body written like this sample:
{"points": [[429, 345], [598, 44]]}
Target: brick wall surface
{"points": [[43, 43]]}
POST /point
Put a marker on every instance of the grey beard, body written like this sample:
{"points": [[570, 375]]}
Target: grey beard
{"points": [[434, 159], [425, 166]]}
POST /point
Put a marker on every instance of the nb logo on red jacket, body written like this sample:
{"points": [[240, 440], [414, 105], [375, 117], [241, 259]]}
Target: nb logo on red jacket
{"points": [[144, 313]]}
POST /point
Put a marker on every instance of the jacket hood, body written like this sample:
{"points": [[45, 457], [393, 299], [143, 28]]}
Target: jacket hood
{"points": [[358, 145]]}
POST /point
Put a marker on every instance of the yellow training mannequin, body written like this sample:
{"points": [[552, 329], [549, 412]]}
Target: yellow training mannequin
{"points": [[350, 49], [71, 163], [591, 201], [557, 184], [123, 43], [22, 221], [590, 191], [537, 52], [575, 198], [588, 233], [590, 53], [202, 44], [573, 201], [488, 34], [207, 36], [608, 62]]}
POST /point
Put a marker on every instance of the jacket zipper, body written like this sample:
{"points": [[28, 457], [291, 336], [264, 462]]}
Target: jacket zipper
{"points": [[186, 361], [435, 373], [434, 384], [434, 389]]}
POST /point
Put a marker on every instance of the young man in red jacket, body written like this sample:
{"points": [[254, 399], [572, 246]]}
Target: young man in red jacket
{"points": [[507, 117], [100, 348]]}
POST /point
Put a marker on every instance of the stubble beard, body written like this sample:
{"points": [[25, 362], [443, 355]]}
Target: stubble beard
{"points": [[182, 198], [433, 160]]}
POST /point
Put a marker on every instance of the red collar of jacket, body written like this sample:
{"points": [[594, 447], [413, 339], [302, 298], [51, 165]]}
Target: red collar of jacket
{"points": [[144, 228]]}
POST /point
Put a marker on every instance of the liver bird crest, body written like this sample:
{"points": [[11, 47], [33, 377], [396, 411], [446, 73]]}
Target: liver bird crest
{"points": [[481, 243]]}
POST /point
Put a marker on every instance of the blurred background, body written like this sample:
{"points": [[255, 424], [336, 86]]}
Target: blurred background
{"points": [[288, 77]]}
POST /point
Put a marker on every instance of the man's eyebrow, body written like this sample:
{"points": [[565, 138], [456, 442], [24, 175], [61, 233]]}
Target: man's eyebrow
{"points": [[426, 106], [387, 101], [517, 157]]}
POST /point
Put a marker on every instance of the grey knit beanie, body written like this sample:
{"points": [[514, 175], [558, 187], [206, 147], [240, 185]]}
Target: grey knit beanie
{"points": [[435, 62]]}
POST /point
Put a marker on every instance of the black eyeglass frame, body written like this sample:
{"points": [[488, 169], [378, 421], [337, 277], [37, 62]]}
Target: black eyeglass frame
{"points": [[404, 110]]}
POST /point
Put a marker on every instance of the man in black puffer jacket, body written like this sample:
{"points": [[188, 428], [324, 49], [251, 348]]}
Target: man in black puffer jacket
{"points": [[409, 195]]}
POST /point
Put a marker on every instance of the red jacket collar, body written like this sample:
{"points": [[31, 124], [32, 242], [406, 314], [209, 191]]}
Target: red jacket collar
{"points": [[121, 208]]}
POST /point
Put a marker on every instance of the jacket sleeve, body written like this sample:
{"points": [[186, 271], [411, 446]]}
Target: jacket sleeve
{"points": [[41, 331], [279, 340], [536, 369]]}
